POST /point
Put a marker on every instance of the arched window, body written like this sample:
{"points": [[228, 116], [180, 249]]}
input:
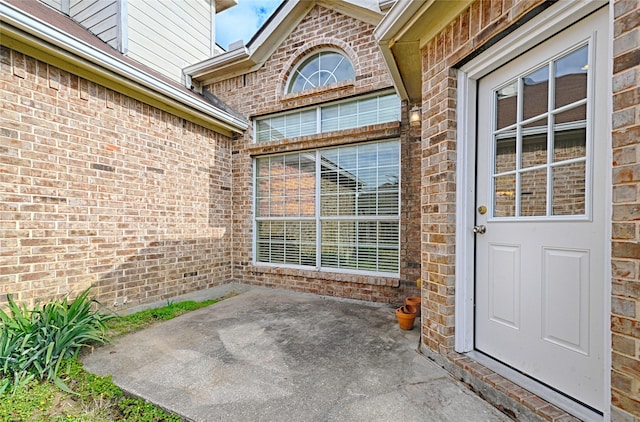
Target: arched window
{"points": [[319, 69]]}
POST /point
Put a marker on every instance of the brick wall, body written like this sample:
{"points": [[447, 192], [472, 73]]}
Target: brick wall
{"points": [[99, 189], [472, 28], [625, 247], [263, 92]]}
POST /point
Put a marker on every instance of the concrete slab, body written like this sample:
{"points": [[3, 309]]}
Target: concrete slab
{"points": [[269, 355]]}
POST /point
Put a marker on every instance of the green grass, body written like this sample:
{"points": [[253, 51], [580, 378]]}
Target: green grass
{"points": [[86, 397], [133, 322], [95, 398]]}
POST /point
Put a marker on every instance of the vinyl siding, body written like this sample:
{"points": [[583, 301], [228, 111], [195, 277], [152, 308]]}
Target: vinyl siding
{"points": [[169, 35], [56, 4], [98, 16]]}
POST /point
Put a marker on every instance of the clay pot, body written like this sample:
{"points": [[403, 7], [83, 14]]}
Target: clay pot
{"points": [[415, 301], [410, 309], [406, 316]]}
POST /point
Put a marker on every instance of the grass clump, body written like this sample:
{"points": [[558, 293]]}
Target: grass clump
{"points": [[143, 319], [34, 343], [137, 410]]}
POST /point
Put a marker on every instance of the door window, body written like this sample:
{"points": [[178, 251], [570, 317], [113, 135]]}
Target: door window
{"points": [[540, 151]]}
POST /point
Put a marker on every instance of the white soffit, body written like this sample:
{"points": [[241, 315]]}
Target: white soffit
{"points": [[406, 28]]}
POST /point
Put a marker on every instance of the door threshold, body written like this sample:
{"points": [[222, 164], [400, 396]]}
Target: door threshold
{"points": [[548, 394]]}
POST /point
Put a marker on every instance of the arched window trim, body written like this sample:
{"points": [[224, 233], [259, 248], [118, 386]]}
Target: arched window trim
{"points": [[300, 62]]}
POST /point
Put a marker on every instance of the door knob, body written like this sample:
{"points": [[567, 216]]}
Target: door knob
{"points": [[479, 229]]}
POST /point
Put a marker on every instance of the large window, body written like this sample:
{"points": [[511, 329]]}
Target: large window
{"points": [[342, 115], [331, 209], [319, 69]]}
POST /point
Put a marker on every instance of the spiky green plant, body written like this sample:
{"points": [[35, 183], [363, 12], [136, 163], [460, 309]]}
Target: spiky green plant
{"points": [[34, 343]]}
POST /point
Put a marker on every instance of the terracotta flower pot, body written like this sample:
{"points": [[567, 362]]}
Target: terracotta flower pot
{"points": [[415, 301], [406, 316]]}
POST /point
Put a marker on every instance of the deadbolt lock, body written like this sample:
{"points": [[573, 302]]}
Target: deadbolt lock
{"points": [[482, 210]]}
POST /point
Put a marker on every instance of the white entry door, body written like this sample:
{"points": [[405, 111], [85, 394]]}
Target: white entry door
{"points": [[541, 163]]}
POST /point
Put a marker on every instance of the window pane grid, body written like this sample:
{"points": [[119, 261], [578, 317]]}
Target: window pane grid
{"points": [[322, 68], [358, 219], [341, 116], [540, 140]]}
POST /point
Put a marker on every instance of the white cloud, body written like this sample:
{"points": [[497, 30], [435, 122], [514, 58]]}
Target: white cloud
{"points": [[242, 21]]}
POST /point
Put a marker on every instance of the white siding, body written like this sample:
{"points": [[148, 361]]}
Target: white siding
{"points": [[98, 16], [56, 4], [168, 35]]}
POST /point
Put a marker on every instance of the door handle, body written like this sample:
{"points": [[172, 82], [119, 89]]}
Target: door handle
{"points": [[479, 229]]}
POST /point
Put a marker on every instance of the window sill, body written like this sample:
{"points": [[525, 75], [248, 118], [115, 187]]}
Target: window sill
{"points": [[326, 275]]}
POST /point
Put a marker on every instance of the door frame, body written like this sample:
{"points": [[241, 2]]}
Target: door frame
{"points": [[551, 21]]}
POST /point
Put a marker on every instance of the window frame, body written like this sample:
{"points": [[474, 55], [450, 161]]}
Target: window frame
{"points": [[301, 61], [318, 113], [319, 218], [549, 130]]}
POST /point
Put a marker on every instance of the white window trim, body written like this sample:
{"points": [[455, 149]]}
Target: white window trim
{"points": [[318, 109], [318, 218], [305, 57], [550, 126], [551, 21]]}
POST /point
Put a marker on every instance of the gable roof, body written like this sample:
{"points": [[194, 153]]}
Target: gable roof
{"points": [[250, 57], [48, 35]]}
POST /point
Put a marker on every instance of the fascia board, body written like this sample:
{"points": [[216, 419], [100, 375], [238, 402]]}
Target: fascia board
{"points": [[20, 24], [365, 11], [252, 57], [385, 34], [394, 71], [397, 19], [233, 58], [270, 38]]}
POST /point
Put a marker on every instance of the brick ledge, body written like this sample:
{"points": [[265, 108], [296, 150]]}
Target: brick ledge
{"points": [[340, 137], [326, 275]]}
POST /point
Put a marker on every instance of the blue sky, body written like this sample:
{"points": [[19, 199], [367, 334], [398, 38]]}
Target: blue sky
{"points": [[241, 22]]}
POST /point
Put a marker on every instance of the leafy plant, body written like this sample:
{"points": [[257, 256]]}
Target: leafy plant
{"points": [[93, 398], [35, 343], [14, 362]]}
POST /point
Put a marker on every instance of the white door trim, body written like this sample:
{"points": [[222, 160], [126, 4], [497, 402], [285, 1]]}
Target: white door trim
{"points": [[551, 21]]}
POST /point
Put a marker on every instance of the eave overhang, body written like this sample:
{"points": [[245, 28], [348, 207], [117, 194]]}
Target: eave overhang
{"points": [[251, 57], [222, 5], [402, 34], [29, 35]]}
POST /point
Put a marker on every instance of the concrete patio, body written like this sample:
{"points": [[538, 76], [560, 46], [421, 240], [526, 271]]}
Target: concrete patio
{"points": [[269, 355]]}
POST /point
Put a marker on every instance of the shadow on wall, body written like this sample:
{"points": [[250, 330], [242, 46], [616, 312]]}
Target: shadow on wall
{"points": [[170, 268], [163, 270]]}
